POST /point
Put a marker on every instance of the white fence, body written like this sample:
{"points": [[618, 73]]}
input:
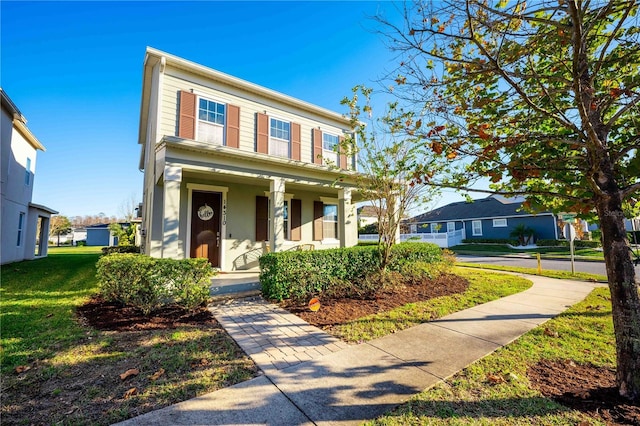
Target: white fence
{"points": [[442, 239]]}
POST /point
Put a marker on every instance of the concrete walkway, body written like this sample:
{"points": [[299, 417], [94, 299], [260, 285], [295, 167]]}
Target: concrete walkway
{"points": [[312, 378]]}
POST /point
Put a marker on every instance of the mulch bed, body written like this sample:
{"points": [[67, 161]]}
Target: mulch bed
{"points": [[104, 315], [339, 311], [586, 388]]}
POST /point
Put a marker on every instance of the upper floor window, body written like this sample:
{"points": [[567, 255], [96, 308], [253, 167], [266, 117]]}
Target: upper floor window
{"points": [[330, 149], [211, 119], [27, 174], [279, 137]]}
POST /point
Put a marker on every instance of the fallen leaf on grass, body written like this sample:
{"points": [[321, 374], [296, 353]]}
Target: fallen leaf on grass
{"points": [[551, 333], [493, 378], [202, 363], [130, 393], [22, 368], [130, 372], [157, 374]]}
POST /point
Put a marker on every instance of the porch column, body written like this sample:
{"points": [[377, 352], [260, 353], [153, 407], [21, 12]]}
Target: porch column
{"points": [[276, 192], [172, 246], [347, 217]]}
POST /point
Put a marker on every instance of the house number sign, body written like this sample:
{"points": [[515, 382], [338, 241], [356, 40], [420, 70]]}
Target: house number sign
{"points": [[205, 212]]}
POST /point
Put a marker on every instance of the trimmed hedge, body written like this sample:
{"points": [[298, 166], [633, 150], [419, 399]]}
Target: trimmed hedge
{"points": [[301, 274], [149, 283], [513, 242], [120, 249], [565, 243]]}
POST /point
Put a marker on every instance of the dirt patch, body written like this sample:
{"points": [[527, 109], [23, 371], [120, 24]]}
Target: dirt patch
{"points": [[586, 388], [339, 311], [167, 352], [103, 315]]}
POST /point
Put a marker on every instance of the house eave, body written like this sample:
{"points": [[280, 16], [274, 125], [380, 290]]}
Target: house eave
{"points": [[154, 55], [177, 143]]}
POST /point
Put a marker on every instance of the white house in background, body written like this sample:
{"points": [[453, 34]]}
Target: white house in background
{"points": [[233, 169], [24, 225]]}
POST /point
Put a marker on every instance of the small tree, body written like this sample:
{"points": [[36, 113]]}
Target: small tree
{"points": [[543, 99], [59, 225], [387, 160], [126, 234]]}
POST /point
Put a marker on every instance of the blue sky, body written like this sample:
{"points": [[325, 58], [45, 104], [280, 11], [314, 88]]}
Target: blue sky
{"points": [[75, 71]]}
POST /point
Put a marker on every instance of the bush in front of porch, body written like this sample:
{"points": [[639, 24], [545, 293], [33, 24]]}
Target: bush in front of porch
{"points": [[149, 283], [301, 275]]}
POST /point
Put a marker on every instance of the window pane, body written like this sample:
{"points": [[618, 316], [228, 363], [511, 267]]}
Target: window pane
{"points": [[329, 142]]}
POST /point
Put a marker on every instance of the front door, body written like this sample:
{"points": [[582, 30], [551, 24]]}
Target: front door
{"points": [[205, 226]]}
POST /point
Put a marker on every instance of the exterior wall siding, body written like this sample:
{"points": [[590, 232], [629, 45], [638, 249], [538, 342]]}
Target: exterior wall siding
{"points": [[175, 81], [543, 226]]}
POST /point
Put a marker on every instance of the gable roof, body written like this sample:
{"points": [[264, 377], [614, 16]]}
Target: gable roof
{"points": [[490, 207], [369, 211]]}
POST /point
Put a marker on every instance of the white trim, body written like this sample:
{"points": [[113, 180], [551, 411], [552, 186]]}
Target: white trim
{"points": [[223, 190], [473, 228], [453, 226]]}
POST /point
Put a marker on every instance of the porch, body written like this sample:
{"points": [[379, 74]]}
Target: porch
{"points": [[442, 239]]}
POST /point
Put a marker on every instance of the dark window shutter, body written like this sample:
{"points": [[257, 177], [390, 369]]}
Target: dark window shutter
{"points": [[262, 218], [318, 214], [296, 220], [317, 146], [262, 133], [295, 141], [233, 126], [187, 116], [343, 156]]}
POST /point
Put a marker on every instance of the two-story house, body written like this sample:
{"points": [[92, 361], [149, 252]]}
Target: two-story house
{"points": [[24, 225], [233, 169]]}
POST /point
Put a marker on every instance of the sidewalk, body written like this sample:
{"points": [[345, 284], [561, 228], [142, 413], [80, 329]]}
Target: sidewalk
{"points": [[312, 378]]}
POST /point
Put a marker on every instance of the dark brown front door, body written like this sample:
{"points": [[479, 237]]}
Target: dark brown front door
{"points": [[205, 226]]}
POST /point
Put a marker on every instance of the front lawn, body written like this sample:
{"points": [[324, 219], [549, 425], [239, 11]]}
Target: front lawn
{"points": [[522, 383], [57, 369]]}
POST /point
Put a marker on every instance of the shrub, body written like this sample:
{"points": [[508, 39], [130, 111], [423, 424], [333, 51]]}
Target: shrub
{"points": [[120, 249], [513, 242], [299, 275], [150, 283], [81, 243], [565, 243]]}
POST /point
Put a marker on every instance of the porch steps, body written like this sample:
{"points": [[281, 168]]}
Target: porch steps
{"points": [[237, 284]]}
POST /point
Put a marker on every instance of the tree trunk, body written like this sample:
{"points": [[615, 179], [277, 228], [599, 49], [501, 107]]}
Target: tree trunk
{"points": [[625, 299], [58, 240]]}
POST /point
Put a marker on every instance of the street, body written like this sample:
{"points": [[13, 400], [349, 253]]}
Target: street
{"points": [[558, 265]]}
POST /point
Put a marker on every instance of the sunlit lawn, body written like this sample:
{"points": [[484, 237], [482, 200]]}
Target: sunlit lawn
{"points": [[66, 361], [484, 287], [583, 334]]}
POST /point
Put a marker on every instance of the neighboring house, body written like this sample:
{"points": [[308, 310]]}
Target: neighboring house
{"points": [[233, 169], [493, 217], [100, 235], [24, 225], [367, 215]]}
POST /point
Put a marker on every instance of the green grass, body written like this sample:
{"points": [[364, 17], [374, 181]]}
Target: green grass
{"points": [[38, 300], [545, 252], [564, 275], [484, 287], [76, 365], [584, 335]]}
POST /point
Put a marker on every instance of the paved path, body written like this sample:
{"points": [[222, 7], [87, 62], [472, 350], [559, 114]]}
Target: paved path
{"points": [[347, 384], [274, 338]]}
